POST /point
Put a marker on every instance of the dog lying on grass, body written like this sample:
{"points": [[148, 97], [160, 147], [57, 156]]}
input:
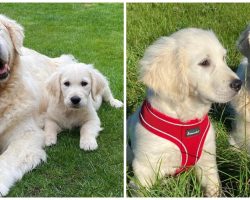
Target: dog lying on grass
{"points": [[74, 93], [185, 73], [23, 72]]}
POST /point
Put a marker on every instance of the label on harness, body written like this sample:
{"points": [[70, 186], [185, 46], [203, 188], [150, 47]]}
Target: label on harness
{"points": [[192, 132]]}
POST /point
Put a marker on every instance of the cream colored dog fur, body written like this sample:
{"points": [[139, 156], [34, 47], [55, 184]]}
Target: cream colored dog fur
{"points": [[22, 76], [185, 73], [240, 136], [74, 93]]}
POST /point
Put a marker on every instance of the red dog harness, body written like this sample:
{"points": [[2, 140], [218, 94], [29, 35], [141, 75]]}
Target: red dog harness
{"points": [[188, 136]]}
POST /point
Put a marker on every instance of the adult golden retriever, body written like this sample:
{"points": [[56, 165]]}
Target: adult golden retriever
{"points": [[22, 76]]}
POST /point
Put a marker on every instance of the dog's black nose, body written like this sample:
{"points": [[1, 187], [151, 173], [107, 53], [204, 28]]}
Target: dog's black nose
{"points": [[75, 100], [236, 84]]}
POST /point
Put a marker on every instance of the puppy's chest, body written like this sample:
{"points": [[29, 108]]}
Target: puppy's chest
{"points": [[189, 136], [70, 119]]}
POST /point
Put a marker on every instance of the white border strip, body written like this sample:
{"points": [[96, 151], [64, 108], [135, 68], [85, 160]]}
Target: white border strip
{"points": [[125, 1], [125, 97]]}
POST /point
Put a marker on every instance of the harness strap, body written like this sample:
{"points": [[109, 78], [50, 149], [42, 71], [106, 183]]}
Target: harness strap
{"points": [[189, 136]]}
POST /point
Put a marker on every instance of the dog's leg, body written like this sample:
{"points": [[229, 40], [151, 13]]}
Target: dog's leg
{"points": [[208, 176], [88, 133], [51, 130], [206, 168], [21, 155], [239, 138], [145, 173], [108, 97]]}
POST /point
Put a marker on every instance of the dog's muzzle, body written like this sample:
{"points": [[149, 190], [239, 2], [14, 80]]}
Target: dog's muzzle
{"points": [[75, 102], [4, 70]]}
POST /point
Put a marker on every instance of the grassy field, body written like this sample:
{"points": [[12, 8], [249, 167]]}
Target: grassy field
{"points": [[93, 33], [146, 23]]}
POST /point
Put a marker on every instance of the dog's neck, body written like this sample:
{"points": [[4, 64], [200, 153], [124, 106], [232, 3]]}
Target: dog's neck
{"points": [[188, 109], [9, 91]]}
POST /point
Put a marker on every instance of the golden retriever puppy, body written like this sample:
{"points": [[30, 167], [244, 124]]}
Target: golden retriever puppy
{"points": [[185, 73], [74, 93], [22, 76], [240, 136]]}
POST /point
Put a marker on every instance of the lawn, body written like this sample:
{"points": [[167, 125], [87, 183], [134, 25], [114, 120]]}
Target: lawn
{"points": [[93, 33], [147, 22]]}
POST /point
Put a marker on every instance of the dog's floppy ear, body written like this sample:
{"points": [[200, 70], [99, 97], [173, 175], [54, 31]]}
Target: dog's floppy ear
{"points": [[15, 30], [163, 69], [99, 82], [53, 86], [243, 42]]}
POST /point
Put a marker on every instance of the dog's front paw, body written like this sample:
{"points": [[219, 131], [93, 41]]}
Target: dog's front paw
{"points": [[88, 144], [50, 140], [116, 103], [3, 190], [213, 192]]}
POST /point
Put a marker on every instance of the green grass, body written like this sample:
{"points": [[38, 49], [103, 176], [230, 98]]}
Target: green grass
{"points": [[147, 22], [93, 33]]}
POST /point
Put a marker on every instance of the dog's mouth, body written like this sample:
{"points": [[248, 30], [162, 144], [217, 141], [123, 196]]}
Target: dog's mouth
{"points": [[75, 107], [4, 70]]}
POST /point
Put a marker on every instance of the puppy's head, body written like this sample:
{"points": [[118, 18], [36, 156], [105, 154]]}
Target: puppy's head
{"points": [[190, 62], [11, 41], [73, 84]]}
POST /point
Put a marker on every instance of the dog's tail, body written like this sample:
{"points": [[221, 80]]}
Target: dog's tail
{"points": [[65, 59]]}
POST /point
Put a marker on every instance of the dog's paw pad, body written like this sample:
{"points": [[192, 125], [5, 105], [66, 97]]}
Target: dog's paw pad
{"points": [[50, 140], [116, 103], [88, 144]]}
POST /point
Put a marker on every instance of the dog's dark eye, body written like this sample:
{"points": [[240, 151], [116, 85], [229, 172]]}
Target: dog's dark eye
{"points": [[67, 83], [205, 63], [84, 83]]}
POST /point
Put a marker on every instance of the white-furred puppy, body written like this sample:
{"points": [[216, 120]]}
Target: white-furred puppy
{"points": [[185, 73], [240, 135], [22, 76], [74, 93]]}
